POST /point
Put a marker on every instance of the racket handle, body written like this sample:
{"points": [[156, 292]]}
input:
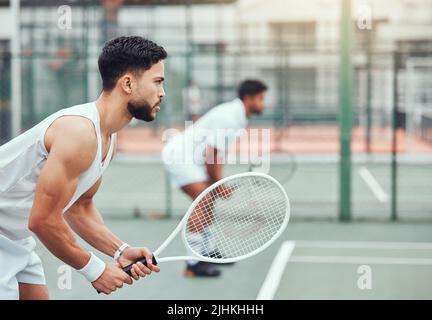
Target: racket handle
{"points": [[128, 268]]}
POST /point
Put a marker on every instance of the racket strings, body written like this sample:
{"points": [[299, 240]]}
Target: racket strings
{"points": [[238, 217], [247, 228]]}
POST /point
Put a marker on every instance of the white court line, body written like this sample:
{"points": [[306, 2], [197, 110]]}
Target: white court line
{"points": [[361, 260], [365, 244], [275, 272], [373, 184]]}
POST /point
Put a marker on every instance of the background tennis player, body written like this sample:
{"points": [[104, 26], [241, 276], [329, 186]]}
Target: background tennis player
{"points": [[194, 158]]}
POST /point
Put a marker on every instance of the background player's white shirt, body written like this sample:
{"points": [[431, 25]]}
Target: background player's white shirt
{"points": [[21, 161], [219, 128]]}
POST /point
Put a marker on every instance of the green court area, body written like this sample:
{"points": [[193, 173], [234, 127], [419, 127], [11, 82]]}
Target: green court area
{"points": [[139, 186], [357, 270], [324, 264], [317, 257]]}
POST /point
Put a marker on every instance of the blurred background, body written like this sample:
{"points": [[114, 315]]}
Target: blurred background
{"points": [[294, 46], [349, 104]]}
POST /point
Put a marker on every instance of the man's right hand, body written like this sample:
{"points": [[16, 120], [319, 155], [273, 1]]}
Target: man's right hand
{"points": [[224, 191], [111, 279]]}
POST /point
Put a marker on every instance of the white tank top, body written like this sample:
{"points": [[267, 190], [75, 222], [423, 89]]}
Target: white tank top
{"points": [[21, 161]]}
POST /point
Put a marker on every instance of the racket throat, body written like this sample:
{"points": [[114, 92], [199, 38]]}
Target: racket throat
{"points": [[179, 258]]}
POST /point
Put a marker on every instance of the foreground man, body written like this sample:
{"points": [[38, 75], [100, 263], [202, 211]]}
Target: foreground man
{"points": [[49, 175]]}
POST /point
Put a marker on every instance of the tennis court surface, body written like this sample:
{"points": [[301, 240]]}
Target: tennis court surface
{"points": [[317, 257], [328, 260]]}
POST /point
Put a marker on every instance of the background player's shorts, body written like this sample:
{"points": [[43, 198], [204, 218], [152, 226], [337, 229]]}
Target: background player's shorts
{"points": [[181, 172], [18, 264], [184, 174]]}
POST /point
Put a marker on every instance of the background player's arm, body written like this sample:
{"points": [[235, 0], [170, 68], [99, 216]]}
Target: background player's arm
{"points": [[214, 164]]}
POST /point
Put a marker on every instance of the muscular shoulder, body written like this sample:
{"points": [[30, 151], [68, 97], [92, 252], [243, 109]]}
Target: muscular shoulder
{"points": [[73, 141]]}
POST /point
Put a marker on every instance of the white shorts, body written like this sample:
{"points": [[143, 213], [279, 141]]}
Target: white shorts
{"points": [[18, 264], [180, 171], [184, 174]]}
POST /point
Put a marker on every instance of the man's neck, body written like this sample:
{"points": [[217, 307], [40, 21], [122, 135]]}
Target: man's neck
{"points": [[113, 113], [246, 109]]}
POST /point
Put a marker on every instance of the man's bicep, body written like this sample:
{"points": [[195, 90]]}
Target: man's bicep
{"points": [[54, 189], [58, 179]]}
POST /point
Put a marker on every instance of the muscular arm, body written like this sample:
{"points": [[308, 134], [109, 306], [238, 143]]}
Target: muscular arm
{"points": [[72, 147], [86, 221]]}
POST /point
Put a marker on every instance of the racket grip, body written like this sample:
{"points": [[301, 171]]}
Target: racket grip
{"points": [[128, 268]]}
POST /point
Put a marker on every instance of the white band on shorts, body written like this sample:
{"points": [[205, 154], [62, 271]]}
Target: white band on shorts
{"points": [[93, 269]]}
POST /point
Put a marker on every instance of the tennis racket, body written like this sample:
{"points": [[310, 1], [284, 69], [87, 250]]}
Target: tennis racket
{"points": [[244, 214]]}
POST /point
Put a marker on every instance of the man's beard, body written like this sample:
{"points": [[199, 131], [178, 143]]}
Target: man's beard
{"points": [[141, 111], [257, 112]]}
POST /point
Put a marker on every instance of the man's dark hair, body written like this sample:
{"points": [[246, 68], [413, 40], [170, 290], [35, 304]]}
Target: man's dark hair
{"points": [[125, 54], [251, 88]]}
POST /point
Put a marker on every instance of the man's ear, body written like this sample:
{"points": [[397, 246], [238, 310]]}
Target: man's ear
{"points": [[246, 100], [126, 83]]}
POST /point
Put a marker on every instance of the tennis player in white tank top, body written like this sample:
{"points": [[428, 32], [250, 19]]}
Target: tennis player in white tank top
{"points": [[50, 173]]}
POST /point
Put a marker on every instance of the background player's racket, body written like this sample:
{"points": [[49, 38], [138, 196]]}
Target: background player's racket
{"points": [[282, 169], [243, 214]]}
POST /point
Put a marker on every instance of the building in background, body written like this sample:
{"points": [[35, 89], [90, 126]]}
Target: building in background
{"points": [[290, 44]]}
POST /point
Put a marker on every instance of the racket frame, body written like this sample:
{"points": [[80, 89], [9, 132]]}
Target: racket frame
{"points": [[182, 224], [283, 180]]}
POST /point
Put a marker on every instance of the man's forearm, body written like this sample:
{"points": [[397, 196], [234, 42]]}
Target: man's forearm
{"points": [[58, 238], [215, 171], [87, 222], [214, 164]]}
